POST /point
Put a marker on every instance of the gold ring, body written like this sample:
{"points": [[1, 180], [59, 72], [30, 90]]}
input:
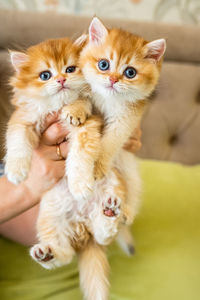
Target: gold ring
{"points": [[59, 152]]}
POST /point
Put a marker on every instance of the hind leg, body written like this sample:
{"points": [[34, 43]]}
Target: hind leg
{"points": [[54, 248], [109, 214], [128, 167], [50, 254]]}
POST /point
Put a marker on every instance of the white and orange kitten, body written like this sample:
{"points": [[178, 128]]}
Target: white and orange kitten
{"points": [[122, 70], [48, 79]]}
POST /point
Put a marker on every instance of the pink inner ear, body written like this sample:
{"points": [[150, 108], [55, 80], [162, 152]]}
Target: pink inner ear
{"points": [[94, 34], [156, 49], [97, 31], [17, 59]]}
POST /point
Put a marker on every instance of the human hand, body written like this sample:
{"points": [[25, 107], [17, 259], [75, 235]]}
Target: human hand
{"points": [[46, 170], [47, 166], [134, 143]]}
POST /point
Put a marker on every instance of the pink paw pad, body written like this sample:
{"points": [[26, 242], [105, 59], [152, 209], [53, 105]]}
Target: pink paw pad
{"points": [[43, 257], [111, 207]]}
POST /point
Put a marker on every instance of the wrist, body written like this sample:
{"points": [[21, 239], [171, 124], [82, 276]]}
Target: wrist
{"points": [[30, 195]]}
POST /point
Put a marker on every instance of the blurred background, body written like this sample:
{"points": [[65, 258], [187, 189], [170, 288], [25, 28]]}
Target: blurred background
{"points": [[170, 11]]}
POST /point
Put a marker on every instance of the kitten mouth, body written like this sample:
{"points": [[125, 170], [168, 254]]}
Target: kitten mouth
{"points": [[63, 88], [112, 88]]}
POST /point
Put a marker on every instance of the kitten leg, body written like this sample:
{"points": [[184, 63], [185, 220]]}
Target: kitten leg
{"points": [[127, 163], [84, 150], [54, 248], [113, 139], [50, 255], [110, 213], [128, 166], [21, 139]]}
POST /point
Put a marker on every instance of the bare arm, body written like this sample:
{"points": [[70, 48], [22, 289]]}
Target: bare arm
{"points": [[21, 199]]}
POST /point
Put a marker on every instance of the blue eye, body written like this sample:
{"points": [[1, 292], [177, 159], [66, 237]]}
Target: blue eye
{"points": [[130, 72], [103, 64], [70, 69], [46, 75]]}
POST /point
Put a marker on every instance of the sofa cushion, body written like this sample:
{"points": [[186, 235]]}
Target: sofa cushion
{"points": [[5, 95], [171, 123]]}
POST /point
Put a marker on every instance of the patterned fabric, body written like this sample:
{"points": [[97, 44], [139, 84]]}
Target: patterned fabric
{"points": [[1, 170], [170, 11]]}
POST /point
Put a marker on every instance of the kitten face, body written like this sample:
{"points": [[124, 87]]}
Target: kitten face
{"points": [[119, 64], [49, 69]]}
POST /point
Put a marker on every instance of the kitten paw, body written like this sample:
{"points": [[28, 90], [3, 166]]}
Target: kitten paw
{"points": [[46, 256], [111, 207], [73, 116], [42, 254], [17, 170]]}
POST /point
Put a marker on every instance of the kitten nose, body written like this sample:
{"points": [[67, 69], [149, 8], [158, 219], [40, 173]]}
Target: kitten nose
{"points": [[61, 80], [113, 80]]}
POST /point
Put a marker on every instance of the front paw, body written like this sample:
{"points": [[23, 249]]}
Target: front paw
{"points": [[17, 169], [74, 116]]}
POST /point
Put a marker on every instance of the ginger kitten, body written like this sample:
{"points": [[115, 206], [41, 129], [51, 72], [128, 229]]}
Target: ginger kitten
{"points": [[122, 70], [48, 79]]}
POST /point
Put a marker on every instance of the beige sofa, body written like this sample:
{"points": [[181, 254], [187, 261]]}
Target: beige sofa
{"points": [[171, 124]]}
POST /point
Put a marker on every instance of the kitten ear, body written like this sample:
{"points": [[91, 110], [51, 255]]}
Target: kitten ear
{"points": [[17, 59], [81, 40], [97, 31], [156, 49]]}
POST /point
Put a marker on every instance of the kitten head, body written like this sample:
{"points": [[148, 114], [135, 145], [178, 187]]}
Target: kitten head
{"points": [[120, 64], [48, 70]]}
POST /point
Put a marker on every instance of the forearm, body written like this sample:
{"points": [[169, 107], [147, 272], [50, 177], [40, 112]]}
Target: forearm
{"points": [[14, 199], [21, 229]]}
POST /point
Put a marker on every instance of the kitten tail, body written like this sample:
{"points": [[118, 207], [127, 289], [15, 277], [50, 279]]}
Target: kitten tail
{"points": [[125, 240], [94, 269]]}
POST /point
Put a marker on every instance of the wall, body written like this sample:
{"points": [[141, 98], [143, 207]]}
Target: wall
{"points": [[168, 11]]}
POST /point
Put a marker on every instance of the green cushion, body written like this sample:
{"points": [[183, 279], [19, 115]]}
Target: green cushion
{"points": [[167, 261]]}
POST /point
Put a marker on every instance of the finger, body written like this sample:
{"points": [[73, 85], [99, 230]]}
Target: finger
{"points": [[56, 153], [55, 134], [64, 149], [50, 119], [133, 146], [59, 170], [137, 134]]}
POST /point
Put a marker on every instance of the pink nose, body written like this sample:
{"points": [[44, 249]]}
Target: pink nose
{"points": [[61, 80], [113, 80]]}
